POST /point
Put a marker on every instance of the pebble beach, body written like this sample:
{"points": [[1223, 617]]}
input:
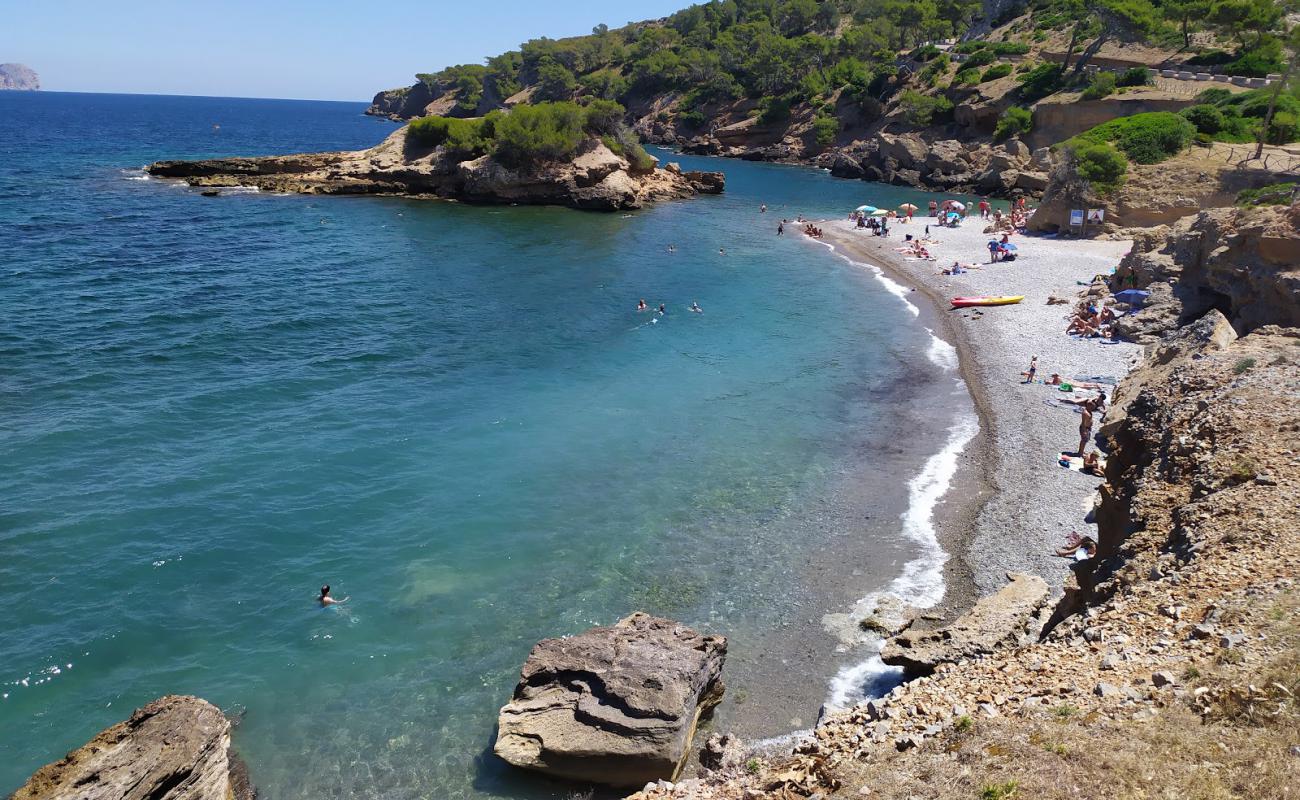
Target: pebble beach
{"points": [[1013, 504]]}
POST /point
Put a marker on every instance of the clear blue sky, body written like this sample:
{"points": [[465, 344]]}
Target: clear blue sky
{"points": [[326, 49]]}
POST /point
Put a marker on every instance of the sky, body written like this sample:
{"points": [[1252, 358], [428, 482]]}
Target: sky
{"points": [[322, 50]]}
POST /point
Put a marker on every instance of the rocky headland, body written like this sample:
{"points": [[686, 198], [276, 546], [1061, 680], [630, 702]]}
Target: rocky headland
{"points": [[19, 78], [594, 177]]}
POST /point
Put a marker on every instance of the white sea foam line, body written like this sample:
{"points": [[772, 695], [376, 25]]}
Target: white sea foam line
{"points": [[921, 583]]}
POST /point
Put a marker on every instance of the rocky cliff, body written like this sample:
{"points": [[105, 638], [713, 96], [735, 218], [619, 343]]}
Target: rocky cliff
{"points": [[595, 178], [18, 77], [1243, 262], [175, 748]]}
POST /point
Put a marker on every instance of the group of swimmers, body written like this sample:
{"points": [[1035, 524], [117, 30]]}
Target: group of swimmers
{"points": [[662, 310], [812, 230]]}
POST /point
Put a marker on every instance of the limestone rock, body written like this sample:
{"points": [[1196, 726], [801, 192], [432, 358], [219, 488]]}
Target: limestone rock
{"points": [[175, 748], [997, 620], [615, 705]]}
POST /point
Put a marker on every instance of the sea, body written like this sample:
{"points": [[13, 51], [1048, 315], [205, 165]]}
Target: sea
{"points": [[452, 414]]}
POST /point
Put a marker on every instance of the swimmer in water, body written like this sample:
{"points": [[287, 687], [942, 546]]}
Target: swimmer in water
{"points": [[640, 305], [662, 310], [672, 248], [696, 307], [326, 600], [722, 251]]}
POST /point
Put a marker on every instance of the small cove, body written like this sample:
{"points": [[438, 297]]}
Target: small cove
{"points": [[451, 413]]}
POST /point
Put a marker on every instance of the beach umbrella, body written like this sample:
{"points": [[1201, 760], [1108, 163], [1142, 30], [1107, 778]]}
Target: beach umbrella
{"points": [[1133, 297], [866, 209], [956, 205], [907, 207], [880, 212]]}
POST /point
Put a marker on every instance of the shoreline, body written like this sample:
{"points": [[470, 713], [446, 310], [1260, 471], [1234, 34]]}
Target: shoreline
{"points": [[1010, 504]]}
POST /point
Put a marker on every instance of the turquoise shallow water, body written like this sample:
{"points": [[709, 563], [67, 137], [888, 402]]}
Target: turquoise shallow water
{"points": [[209, 407]]}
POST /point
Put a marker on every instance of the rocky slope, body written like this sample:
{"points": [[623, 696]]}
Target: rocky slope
{"points": [[595, 178], [18, 77], [175, 748]]}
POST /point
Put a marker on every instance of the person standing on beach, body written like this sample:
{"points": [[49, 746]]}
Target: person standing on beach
{"points": [[993, 251], [1032, 371], [984, 208], [1085, 427]]}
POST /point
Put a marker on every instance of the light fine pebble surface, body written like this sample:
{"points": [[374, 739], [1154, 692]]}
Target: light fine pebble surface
{"points": [[1031, 503]]}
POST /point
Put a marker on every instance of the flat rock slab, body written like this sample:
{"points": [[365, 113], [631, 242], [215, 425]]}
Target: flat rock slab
{"points": [[175, 748], [997, 620], [616, 705]]}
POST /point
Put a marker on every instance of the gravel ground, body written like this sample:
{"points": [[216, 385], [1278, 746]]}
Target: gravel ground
{"points": [[1035, 503]]}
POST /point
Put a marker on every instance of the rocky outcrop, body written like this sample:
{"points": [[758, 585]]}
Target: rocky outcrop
{"points": [[595, 178], [1243, 262], [18, 77], [999, 620], [614, 705], [175, 748]]}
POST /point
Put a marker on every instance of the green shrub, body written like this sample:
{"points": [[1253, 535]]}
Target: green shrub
{"points": [[981, 58], [1214, 96], [692, 119], [1257, 61], [554, 82], [1134, 76], [542, 132], [773, 110], [461, 138], [1205, 117], [1278, 194], [603, 116], [996, 71], [925, 53], [1013, 122], [921, 109], [1210, 58], [966, 77], [1284, 129], [1101, 165], [1040, 81], [930, 75], [825, 128], [1145, 138], [996, 48], [1102, 85]]}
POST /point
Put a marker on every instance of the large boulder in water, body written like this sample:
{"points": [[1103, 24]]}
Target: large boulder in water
{"points": [[616, 705], [175, 748]]}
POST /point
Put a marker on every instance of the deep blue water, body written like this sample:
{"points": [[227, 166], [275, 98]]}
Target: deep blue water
{"points": [[210, 406]]}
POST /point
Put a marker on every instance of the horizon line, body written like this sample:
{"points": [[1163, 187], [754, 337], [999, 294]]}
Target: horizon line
{"points": [[173, 94]]}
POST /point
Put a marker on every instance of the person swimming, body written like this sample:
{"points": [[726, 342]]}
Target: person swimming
{"points": [[722, 251], [325, 600], [672, 248], [662, 309], [640, 305], [696, 307]]}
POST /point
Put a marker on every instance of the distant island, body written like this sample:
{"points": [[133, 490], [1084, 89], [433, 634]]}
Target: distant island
{"points": [[19, 77]]}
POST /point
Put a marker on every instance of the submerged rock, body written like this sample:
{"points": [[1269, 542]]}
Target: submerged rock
{"points": [[616, 705], [997, 620], [175, 748]]}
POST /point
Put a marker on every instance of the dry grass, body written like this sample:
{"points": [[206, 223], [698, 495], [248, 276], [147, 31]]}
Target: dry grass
{"points": [[1241, 751]]}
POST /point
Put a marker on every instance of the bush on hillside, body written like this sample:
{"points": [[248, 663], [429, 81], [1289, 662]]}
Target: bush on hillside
{"points": [[543, 132], [1101, 165], [1134, 76], [1214, 96], [994, 72], [967, 77], [1145, 138], [1102, 85], [1284, 129], [996, 48], [1205, 117], [1278, 194], [825, 128], [930, 75], [925, 53], [773, 110], [1013, 122], [462, 138], [921, 109], [1039, 81], [981, 58]]}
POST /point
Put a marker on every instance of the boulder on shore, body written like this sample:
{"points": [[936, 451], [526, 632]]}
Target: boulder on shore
{"points": [[1000, 619], [615, 705], [175, 748]]}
